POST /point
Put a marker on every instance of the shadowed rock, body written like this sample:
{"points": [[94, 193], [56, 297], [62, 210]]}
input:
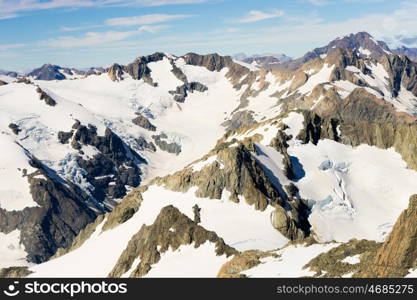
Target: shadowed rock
{"points": [[15, 128], [182, 91]]}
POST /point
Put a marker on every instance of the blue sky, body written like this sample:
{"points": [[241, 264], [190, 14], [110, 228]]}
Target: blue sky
{"points": [[84, 33]]}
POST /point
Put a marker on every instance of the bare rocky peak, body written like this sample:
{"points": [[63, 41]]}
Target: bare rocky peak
{"points": [[54, 72], [410, 52], [362, 43]]}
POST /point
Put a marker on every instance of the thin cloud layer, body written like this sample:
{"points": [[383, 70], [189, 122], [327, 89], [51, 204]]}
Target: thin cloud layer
{"points": [[13, 8], [144, 19], [257, 15]]}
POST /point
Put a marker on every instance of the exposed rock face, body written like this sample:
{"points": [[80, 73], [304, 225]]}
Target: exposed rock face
{"points": [[164, 145], [137, 70], [151, 241], [15, 128], [113, 168], [82, 236], [213, 62], [411, 53], [61, 213], [24, 80], [47, 72], [242, 262], [125, 210], [9, 73], [332, 265], [362, 118], [45, 97], [143, 122], [265, 62], [402, 72], [14, 272], [288, 224], [243, 176], [398, 253], [182, 91], [239, 119], [316, 128], [115, 72], [361, 43], [64, 137], [2, 83], [144, 144]]}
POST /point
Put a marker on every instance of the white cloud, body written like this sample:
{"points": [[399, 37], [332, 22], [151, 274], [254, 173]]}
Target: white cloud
{"points": [[144, 19], [257, 15], [12, 8], [152, 29], [4, 47], [78, 28], [106, 38], [318, 2], [89, 39]]}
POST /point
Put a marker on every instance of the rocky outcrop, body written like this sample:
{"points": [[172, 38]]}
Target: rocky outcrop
{"points": [[170, 231], [182, 91], [411, 53], [82, 236], [358, 43], [242, 262], [114, 167], [115, 72], [137, 70], [64, 137], [242, 176], [160, 141], [143, 144], [2, 82], [45, 97], [316, 128], [402, 73], [143, 122], [14, 272], [215, 63], [61, 213], [398, 254], [15, 128], [239, 119], [333, 264], [125, 210], [362, 118], [47, 72], [24, 80]]}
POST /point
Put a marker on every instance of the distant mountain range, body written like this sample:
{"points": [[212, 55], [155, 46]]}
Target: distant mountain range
{"points": [[54, 72], [362, 43], [204, 166]]}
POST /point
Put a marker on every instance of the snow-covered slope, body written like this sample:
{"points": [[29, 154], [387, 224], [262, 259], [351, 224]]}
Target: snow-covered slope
{"points": [[259, 157]]}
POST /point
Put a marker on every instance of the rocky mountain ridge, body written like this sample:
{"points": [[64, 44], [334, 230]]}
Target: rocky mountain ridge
{"points": [[212, 143]]}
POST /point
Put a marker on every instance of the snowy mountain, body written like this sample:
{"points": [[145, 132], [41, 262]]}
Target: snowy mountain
{"points": [[263, 61], [54, 72], [211, 164], [9, 73], [410, 52], [362, 43]]}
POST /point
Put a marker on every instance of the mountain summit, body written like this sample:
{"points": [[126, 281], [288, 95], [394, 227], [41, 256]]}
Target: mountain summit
{"points": [[189, 160]]}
